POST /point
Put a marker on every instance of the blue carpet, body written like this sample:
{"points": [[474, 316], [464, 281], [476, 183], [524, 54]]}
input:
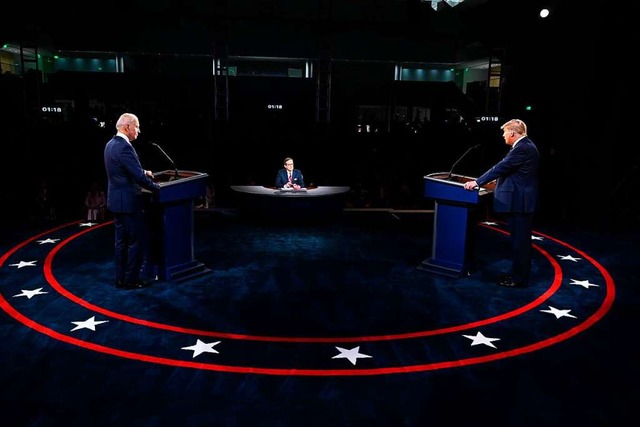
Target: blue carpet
{"points": [[318, 325]]}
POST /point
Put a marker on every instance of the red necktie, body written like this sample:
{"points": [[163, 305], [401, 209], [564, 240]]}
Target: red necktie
{"points": [[289, 177]]}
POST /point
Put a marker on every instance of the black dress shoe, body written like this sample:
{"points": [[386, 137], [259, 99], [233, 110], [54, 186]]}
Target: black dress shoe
{"points": [[511, 284]]}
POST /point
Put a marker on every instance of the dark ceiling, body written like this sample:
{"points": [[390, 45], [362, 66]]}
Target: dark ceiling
{"points": [[372, 29]]}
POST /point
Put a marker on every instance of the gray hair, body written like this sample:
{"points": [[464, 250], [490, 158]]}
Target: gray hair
{"points": [[126, 119]]}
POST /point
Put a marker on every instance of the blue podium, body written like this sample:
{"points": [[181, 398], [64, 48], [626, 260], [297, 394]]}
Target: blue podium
{"points": [[170, 216], [452, 225]]}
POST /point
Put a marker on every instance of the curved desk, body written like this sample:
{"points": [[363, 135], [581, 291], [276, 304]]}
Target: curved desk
{"points": [[291, 205]]}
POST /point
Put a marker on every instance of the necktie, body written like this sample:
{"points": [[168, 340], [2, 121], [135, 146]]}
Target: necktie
{"points": [[289, 176]]}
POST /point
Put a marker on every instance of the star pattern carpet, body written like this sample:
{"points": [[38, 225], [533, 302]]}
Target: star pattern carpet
{"points": [[325, 324]]}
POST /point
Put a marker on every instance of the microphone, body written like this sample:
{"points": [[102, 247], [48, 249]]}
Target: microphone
{"points": [[173, 165], [462, 157]]}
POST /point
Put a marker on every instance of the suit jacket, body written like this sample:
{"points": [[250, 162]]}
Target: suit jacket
{"points": [[126, 177], [283, 177], [517, 179]]}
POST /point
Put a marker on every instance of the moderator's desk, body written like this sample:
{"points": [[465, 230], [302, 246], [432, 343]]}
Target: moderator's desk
{"points": [[271, 203]]}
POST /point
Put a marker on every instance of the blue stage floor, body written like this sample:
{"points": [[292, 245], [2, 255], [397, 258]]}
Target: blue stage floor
{"points": [[325, 324]]}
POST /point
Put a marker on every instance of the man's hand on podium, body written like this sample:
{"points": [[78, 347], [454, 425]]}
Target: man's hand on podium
{"points": [[471, 185]]}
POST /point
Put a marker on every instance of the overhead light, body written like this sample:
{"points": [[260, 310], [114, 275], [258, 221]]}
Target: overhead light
{"points": [[452, 3]]}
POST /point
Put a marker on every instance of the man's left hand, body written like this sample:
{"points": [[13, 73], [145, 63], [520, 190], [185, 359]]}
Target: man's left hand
{"points": [[470, 185]]}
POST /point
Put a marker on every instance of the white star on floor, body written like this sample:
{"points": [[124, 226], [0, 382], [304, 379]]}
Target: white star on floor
{"points": [[537, 238], [87, 224], [568, 258], [202, 347], [584, 283], [353, 354], [31, 293], [481, 339], [558, 313], [42, 242], [24, 264], [90, 323], [490, 223]]}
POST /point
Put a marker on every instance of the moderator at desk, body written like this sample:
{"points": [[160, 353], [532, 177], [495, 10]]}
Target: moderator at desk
{"points": [[295, 205]]}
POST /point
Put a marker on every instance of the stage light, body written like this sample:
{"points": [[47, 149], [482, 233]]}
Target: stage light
{"points": [[452, 3], [544, 13]]}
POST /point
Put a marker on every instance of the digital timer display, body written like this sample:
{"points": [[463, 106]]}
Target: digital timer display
{"points": [[46, 109], [487, 119]]}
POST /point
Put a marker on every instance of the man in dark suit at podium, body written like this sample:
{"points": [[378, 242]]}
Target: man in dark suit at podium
{"points": [[126, 178], [288, 177], [516, 196]]}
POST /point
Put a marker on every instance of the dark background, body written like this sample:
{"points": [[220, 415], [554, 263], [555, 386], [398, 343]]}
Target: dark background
{"points": [[572, 68]]}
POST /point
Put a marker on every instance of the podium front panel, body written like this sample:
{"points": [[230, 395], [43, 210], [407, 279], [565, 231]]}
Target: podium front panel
{"points": [[451, 224], [172, 224]]}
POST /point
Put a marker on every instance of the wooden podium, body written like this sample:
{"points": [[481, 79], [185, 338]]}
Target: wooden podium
{"points": [[452, 225], [170, 216]]}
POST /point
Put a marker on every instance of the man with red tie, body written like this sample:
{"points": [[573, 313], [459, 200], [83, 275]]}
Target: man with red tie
{"points": [[288, 177]]}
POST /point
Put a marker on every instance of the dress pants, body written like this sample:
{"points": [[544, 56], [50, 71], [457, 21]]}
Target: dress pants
{"points": [[521, 227], [130, 244]]}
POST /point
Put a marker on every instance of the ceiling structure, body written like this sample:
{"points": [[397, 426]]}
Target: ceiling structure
{"points": [[400, 30]]}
